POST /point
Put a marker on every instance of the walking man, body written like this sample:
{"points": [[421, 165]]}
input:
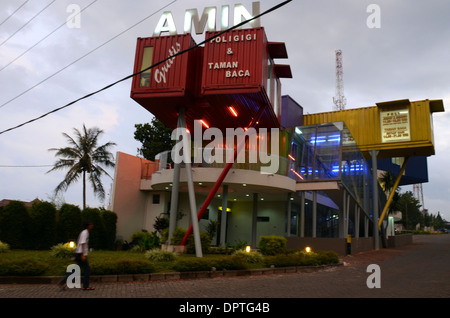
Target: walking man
{"points": [[81, 257]]}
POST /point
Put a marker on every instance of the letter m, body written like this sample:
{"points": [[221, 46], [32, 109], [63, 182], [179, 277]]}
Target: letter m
{"points": [[207, 20]]}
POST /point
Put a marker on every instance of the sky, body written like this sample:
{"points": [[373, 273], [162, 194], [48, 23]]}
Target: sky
{"points": [[394, 50]]}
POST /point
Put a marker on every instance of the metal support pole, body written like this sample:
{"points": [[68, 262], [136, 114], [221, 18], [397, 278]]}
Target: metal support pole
{"points": [[254, 219], [376, 238], [174, 197], [314, 216], [288, 212], [394, 188], [302, 215], [174, 201], [191, 191], [223, 220]]}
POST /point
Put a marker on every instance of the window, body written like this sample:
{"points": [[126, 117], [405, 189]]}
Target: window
{"points": [[156, 199], [147, 59]]}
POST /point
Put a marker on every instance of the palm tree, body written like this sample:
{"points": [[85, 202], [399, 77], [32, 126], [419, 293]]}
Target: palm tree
{"points": [[82, 157]]}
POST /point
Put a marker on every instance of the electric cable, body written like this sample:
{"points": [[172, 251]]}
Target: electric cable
{"points": [[148, 68], [25, 166], [28, 22], [83, 56], [14, 12], [41, 40]]}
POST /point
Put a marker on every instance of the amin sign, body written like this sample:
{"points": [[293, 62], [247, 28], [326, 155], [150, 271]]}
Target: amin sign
{"points": [[207, 22]]}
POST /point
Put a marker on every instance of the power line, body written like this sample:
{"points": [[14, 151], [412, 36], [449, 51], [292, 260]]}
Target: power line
{"points": [[28, 22], [148, 68], [41, 40], [14, 12], [83, 56], [25, 166]]}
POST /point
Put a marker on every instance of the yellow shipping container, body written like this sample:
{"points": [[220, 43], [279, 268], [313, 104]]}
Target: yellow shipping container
{"points": [[396, 128]]}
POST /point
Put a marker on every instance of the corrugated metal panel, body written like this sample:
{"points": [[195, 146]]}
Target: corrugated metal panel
{"points": [[236, 60], [170, 78]]}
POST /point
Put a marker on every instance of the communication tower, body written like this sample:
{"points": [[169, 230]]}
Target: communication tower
{"points": [[339, 100], [418, 194]]}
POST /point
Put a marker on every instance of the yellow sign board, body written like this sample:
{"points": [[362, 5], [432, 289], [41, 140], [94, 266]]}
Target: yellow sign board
{"points": [[395, 125]]}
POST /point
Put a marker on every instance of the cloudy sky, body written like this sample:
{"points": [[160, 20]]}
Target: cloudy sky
{"points": [[46, 63]]}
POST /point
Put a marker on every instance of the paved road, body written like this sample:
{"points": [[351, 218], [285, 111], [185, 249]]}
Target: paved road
{"points": [[419, 270]]}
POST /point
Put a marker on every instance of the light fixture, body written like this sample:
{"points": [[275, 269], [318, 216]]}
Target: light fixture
{"points": [[291, 157], [72, 244], [248, 249], [204, 123], [233, 111], [296, 173], [308, 249]]}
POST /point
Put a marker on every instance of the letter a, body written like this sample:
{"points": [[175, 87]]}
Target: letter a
{"points": [[374, 279], [374, 20], [74, 279]]}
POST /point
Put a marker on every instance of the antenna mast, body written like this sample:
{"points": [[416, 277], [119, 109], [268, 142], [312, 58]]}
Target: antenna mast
{"points": [[339, 100]]}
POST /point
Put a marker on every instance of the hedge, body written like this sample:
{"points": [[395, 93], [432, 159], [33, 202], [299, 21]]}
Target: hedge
{"points": [[22, 267], [123, 266], [42, 226]]}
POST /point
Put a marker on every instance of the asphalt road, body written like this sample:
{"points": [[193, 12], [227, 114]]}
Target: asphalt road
{"points": [[420, 270]]}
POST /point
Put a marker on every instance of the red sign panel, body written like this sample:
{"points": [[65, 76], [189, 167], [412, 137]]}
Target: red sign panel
{"points": [[234, 62], [169, 78]]}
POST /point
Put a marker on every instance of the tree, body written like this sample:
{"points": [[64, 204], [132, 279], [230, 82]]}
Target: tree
{"points": [[69, 223], [15, 225], [43, 217], [155, 138], [84, 157], [410, 208]]}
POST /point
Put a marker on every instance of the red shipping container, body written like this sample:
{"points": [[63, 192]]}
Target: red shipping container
{"points": [[170, 85], [235, 62], [236, 73]]}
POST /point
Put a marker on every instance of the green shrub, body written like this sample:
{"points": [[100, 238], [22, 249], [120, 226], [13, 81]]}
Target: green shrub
{"points": [[233, 262], [250, 257], [272, 245], [145, 241], [43, 218], [69, 223], [4, 247], [206, 264], [123, 266], [192, 265], [284, 260], [22, 267], [62, 250], [109, 219], [158, 255], [327, 257], [15, 225], [96, 236], [178, 235], [302, 258]]}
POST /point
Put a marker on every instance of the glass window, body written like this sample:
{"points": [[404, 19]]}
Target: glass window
{"points": [[147, 59]]}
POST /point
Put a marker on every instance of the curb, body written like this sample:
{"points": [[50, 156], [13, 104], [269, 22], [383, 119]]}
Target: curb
{"points": [[169, 276]]}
